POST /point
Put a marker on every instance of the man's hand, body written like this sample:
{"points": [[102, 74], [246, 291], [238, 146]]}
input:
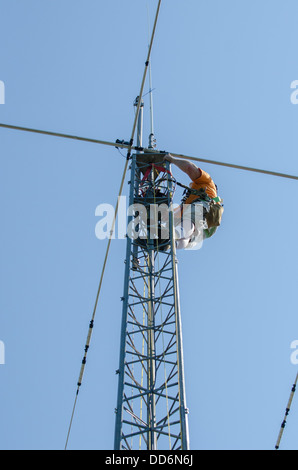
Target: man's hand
{"points": [[168, 158]]}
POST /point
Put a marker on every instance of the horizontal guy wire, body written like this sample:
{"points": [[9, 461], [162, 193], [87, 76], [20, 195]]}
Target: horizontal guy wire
{"points": [[126, 145]]}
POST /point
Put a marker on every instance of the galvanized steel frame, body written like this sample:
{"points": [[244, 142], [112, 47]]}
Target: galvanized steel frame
{"points": [[151, 408]]}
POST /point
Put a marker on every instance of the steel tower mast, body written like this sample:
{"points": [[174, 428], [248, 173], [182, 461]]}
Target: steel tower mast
{"points": [[151, 411]]}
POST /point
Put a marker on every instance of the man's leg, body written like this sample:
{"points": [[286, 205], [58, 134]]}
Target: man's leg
{"points": [[183, 233]]}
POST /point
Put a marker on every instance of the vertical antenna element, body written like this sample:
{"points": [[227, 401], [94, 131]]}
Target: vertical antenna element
{"points": [[152, 140]]}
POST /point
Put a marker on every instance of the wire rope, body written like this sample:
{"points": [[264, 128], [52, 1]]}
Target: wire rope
{"points": [[91, 325], [61, 135], [130, 146], [283, 424]]}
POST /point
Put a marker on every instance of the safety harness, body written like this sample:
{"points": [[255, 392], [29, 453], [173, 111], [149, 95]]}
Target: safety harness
{"points": [[200, 193], [212, 207]]}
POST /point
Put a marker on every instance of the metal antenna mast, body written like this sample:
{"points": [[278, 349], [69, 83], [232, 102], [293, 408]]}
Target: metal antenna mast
{"points": [[151, 411], [152, 141]]}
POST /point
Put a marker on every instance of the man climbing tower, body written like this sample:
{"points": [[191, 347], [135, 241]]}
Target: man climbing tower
{"points": [[199, 198]]}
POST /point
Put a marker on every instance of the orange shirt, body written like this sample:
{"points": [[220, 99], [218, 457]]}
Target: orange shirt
{"points": [[204, 181]]}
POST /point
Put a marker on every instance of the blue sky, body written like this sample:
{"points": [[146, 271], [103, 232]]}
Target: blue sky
{"points": [[222, 73]]}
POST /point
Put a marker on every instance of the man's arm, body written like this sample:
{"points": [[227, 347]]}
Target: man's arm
{"points": [[187, 167]]}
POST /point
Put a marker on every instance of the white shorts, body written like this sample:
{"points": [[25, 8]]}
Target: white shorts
{"points": [[187, 234]]}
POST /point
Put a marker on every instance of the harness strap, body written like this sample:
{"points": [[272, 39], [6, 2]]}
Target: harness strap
{"points": [[201, 193], [157, 168]]}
